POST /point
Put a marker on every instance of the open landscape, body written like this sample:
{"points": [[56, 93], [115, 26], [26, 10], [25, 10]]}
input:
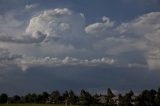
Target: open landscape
{"points": [[80, 52], [31, 105], [69, 98]]}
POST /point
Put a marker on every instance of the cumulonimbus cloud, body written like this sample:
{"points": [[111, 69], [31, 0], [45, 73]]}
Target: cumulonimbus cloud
{"points": [[62, 32], [57, 23], [145, 28]]}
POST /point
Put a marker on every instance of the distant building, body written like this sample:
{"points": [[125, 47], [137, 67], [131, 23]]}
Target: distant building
{"points": [[101, 99], [116, 100]]}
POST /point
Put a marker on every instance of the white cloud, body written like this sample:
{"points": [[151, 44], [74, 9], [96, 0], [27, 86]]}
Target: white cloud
{"points": [[30, 6], [98, 27], [25, 63], [57, 23], [51, 33]]}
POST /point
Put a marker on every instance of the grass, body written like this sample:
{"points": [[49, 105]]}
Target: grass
{"points": [[30, 105]]}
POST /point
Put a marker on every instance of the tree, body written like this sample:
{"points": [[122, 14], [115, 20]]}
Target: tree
{"points": [[3, 98], [72, 98], [109, 100], [45, 96], [120, 98], [34, 98], [40, 98], [109, 93], [147, 98], [16, 99], [28, 98], [55, 95], [157, 98], [85, 98]]}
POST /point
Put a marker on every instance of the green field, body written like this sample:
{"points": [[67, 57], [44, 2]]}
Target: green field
{"points": [[30, 105]]}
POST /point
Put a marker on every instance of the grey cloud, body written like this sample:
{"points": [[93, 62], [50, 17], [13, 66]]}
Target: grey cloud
{"points": [[70, 77], [5, 55], [118, 45], [24, 39], [153, 59], [140, 34], [8, 61], [146, 29], [10, 25]]}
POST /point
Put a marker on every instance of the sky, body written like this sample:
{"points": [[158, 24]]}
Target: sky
{"points": [[48, 45]]}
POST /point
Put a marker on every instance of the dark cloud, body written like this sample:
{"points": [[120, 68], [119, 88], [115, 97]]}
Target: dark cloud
{"points": [[24, 39], [84, 77], [5, 55]]}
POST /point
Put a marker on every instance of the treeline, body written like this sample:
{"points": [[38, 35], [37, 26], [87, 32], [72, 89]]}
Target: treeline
{"points": [[145, 98]]}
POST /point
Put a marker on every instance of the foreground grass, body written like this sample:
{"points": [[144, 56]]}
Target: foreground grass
{"points": [[30, 105]]}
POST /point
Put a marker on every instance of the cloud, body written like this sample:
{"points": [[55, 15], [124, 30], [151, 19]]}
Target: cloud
{"points": [[140, 35], [48, 26], [118, 45], [5, 55], [24, 39], [10, 25], [25, 63], [98, 27], [56, 40], [153, 59], [145, 28], [57, 23], [62, 32], [8, 61], [30, 6], [135, 65]]}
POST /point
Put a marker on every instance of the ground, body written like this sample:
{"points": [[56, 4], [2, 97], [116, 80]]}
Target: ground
{"points": [[30, 105]]}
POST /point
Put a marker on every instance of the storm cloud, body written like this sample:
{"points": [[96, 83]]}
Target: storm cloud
{"points": [[59, 41]]}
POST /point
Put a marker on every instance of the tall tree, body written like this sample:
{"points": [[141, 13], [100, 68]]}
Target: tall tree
{"points": [[45, 96], [3, 98], [86, 98], [28, 98], [55, 95], [72, 98], [109, 100], [157, 98], [16, 99], [34, 98]]}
